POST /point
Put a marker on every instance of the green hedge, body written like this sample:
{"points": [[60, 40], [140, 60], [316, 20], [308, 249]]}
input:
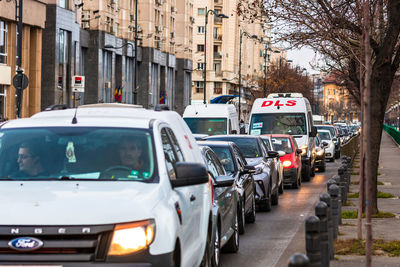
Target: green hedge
{"points": [[393, 133]]}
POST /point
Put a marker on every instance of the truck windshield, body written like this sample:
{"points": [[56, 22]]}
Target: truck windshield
{"points": [[278, 123], [210, 126], [77, 153]]}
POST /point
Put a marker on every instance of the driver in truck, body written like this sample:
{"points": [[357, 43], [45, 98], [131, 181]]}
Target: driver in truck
{"points": [[130, 151]]}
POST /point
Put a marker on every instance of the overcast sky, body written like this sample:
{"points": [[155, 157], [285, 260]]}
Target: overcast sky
{"points": [[302, 58]]}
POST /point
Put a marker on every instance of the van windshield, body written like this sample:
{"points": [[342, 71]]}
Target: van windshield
{"points": [[210, 126], [77, 153], [278, 123]]}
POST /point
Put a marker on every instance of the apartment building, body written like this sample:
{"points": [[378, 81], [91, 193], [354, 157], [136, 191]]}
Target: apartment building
{"points": [[220, 54], [96, 39], [338, 104], [34, 14]]}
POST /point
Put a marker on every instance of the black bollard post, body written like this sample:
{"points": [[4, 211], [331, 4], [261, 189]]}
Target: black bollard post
{"points": [[299, 260], [321, 211], [329, 183], [342, 186], [334, 193], [343, 181], [325, 197], [313, 241]]}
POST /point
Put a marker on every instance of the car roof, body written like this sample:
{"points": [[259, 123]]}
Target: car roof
{"points": [[215, 143], [324, 131], [231, 136], [281, 135], [111, 115]]}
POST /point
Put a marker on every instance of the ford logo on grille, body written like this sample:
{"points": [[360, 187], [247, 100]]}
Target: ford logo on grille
{"points": [[25, 244]]}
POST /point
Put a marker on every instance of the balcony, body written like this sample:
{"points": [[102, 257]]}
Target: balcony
{"points": [[217, 20], [218, 38], [217, 55], [218, 73], [218, 3]]}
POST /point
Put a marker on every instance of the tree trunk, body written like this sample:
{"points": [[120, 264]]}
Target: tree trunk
{"points": [[381, 83]]}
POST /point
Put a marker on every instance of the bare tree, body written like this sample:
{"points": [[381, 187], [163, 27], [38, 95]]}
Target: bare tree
{"points": [[334, 29]]}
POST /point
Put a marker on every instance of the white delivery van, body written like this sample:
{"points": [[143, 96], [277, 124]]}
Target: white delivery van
{"points": [[212, 119], [287, 113]]}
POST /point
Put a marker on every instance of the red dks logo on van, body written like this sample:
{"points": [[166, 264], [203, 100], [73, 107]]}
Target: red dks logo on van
{"points": [[279, 103]]}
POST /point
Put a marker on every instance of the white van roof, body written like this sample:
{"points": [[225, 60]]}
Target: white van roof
{"points": [[209, 110], [275, 95]]}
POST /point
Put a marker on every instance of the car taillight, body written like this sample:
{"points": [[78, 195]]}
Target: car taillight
{"points": [[287, 164]]}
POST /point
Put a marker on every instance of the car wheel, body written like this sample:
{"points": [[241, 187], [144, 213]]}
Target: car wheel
{"points": [[242, 218], [306, 176], [217, 249], [332, 160], [323, 167], [251, 218], [266, 204], [232, 246], [275, 197], [296, 184], [312, 173], [206, 261], [281, 188]]}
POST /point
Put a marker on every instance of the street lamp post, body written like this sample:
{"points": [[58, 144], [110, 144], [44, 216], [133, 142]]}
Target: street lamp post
{"points": [[240, 64], [135, 89], [219, 15], [135, 60]]}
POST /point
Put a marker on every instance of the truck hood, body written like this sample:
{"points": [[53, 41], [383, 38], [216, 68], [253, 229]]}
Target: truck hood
{"points": [[75, 203]]}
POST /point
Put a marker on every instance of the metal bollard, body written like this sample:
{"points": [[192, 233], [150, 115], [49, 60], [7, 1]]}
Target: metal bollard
{"points": [[334, 193], [325, 197], [299, 260], [329, 183], [313, 241], [321, 211], [342, 186], [343, 180]]}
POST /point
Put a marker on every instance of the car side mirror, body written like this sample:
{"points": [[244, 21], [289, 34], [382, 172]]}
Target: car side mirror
{"points": [[273, 154], [313, 132], [249, 169], [281, 153], [224, 181], [189, 174], [299, 151]]}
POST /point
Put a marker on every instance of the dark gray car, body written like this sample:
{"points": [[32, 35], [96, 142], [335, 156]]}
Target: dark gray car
{"points": [[225, 207], [256, 155]]}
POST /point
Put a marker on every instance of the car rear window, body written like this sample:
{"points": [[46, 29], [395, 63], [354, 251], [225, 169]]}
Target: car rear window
{"points": [[282, 144]]}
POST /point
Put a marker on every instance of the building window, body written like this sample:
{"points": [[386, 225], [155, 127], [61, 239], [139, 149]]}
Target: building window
{"points": [[217, 88], [3, 42], [200, 48], [64, 4], [199, 87], [200, 66], [201, 11], [201, 29]]}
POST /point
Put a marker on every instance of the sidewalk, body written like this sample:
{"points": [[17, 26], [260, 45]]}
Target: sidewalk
{"points": [[387, 229]]}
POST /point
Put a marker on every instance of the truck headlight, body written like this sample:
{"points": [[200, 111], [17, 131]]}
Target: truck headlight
{"points": [[132, 237], [303, 150]]}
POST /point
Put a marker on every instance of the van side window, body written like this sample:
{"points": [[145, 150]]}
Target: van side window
{"points": [[177, 148], [170, 158]]}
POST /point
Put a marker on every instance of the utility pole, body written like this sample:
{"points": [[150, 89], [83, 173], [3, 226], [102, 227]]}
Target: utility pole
{"points": [[135, 89], [265, 69]]}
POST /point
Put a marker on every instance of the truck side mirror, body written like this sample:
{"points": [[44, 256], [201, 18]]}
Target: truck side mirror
{"points": [[313, 132]]}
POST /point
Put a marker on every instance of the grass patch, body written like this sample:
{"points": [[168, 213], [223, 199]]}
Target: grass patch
{"points": [[379, 173], [355, 173], [354, 195], [347, 204], [353, 214], [356, 161], [349, 214], [380, 183], [355, 182], [384, 195], [357, 247]]}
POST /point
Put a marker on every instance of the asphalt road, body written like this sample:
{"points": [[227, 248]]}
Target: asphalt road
{"points": [[278, 234]]}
